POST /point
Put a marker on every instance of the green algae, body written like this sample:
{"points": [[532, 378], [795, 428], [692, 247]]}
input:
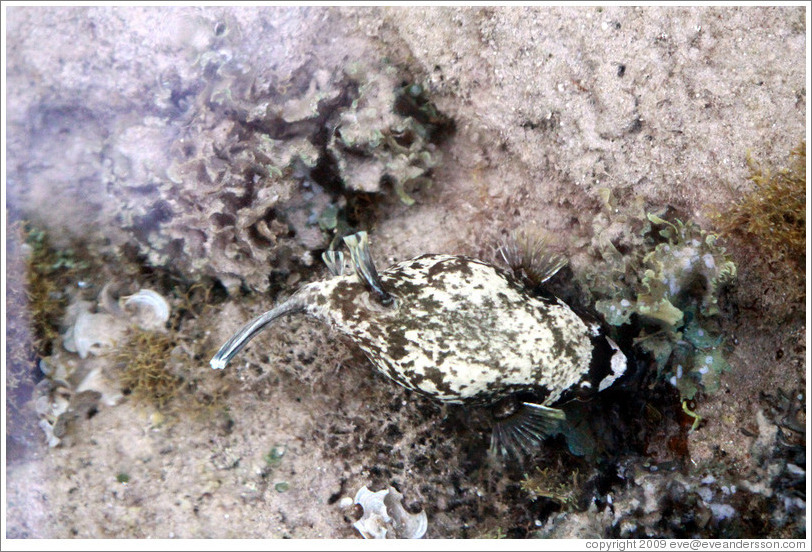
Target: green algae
{"points": [[675, 299]]}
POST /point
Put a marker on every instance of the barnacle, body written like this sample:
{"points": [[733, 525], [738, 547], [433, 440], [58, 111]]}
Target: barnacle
{"points": [[384, 515]]}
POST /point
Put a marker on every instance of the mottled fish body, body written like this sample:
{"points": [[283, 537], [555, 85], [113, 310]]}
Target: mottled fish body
{"points": [[461, 331]]}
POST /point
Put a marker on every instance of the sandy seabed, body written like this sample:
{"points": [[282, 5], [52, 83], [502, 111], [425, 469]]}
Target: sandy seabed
{"points": [[552, 107]]}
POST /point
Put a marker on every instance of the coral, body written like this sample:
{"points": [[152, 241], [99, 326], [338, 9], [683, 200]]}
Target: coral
{"points": [[675, 299], [712, 500], [687, 269], [257, 170], [386, 136]]}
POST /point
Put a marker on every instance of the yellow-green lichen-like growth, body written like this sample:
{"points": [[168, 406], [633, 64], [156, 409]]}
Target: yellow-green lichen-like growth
{"points": [[689, 260], [675, 296], [562, 488]]}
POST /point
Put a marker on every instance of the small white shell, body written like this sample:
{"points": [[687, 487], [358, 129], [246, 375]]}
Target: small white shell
{"points": [[55, 369], [150, 310], [92, 332], [42, 406], [384, 512]]}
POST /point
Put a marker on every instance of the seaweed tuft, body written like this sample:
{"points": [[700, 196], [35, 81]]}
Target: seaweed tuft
{"points": [[773, 214], [768, 226], [556, 485], [145, 374]]}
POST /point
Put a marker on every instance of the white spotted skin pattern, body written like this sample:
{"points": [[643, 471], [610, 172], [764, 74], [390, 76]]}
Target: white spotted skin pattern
{"points": [[461, 330]]}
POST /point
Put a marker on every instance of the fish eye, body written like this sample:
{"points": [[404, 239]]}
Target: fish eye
{"points": [[372, 302]]}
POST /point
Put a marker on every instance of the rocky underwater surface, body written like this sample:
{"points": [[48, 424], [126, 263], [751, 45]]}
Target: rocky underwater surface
{"points": [[173, 172]]}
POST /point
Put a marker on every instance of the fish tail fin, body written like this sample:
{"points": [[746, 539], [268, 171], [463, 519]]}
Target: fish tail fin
{"points": [[294, 305]]}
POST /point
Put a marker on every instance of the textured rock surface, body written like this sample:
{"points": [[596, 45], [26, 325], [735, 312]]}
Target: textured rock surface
{"points": [[208, 159], [215, 142]]}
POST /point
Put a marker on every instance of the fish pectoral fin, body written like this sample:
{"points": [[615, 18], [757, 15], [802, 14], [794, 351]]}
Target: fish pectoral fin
{"points": [[522, 432], [334, 261]]}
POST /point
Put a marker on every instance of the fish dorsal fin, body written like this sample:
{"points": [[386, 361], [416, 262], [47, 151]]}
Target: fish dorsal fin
{"points": [[530, 258]]}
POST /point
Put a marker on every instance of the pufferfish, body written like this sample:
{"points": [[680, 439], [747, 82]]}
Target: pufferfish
{"points": [[461, 331]]}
